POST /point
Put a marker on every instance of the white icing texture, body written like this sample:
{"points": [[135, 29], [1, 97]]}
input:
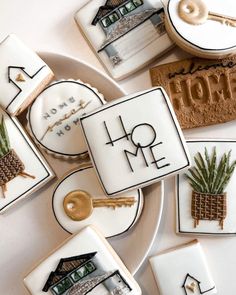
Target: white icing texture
{"points": [[189, 270], [117, 42], [133, 141], [54, 116], [105, 260], [35, 165], [185, 222], [22, 73], [110, 221], [202, 38]]}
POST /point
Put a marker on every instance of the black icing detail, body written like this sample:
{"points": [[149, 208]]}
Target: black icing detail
{"points": [[29, 122], [198, 283], [155, 161], [155, 178], [194, 45], [11, 81], [135, 154], [42, 180], [89, 167], [178, 196], [126, 135], [138, 144]]}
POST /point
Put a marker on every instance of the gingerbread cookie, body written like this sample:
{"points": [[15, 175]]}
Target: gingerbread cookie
{"points": [[115, 28], [23, 170], [84, 264], [189, 271], [193, 24], [205, 195], [202, 91], [23, 75], [53, 118], [79, 191], [133, 141]]}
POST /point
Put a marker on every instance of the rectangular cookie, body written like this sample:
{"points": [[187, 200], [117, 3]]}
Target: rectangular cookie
{"points": [[202, 91], [83, 264], [23, 75], [183, 270], [23, 170]]}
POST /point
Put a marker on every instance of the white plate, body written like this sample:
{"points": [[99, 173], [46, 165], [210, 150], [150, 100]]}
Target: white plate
{"points": [[29, 231]]}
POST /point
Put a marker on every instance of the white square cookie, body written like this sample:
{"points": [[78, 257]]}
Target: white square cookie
{"points": [[23, 75], [83, 264], [133, 141], [183, 270], [125, 34], [208, 213], [23, 170]]}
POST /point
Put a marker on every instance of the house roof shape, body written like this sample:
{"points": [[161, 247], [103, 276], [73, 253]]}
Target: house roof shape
{"points": [[66, 266], [107, 8], [198, 282]]}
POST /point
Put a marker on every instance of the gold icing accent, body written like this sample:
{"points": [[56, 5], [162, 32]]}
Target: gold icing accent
{"points": [[191, 287], [82, 105], [20, 78], [195, 12], [78, 205]]}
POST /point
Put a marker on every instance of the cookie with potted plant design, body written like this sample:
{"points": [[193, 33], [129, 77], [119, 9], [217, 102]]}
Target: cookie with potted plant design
{"points": [[205, 195]]}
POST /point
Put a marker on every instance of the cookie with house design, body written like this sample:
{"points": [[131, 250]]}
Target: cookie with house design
{"points": [[84, 264], [53, 118], [190, 273], [125, 34], [23, 170], [23, 75], [133, 141], [205, 195]]}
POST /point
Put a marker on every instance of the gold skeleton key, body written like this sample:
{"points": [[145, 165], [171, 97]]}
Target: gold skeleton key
{"points": [[195, 12], [78, 205]]}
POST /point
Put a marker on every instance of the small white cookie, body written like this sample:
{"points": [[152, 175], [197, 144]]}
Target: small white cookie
{"points": [[205, 28], [83, 264], [23, 75], [53, 118]]}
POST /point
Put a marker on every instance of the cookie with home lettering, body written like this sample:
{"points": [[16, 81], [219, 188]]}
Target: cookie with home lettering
{"points": [[205, 28], [53, 118], [202, 91], [115, 28]]}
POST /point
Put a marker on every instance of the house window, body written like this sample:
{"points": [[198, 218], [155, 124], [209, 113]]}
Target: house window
{"points": [[114, 17], [130, 6], [110, 19], [138, 3], [62, 286], [106, 22], [123, 10], [83, 271]]}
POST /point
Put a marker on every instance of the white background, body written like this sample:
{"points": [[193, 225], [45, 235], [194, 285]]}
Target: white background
{"points": [[48, 25]]}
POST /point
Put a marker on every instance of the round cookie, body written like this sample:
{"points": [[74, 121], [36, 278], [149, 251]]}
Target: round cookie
{"points": [[53, 118], [193, 24], [111, 221]]}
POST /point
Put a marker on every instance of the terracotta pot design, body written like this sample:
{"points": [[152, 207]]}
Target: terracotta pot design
{"points": [[209, 207]]}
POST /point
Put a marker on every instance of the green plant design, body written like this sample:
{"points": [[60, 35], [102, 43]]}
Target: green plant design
{"points": [[209, 177], [4, 139]]}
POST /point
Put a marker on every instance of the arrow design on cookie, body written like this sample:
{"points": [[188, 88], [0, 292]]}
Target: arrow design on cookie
{"points": [[82, 105]]}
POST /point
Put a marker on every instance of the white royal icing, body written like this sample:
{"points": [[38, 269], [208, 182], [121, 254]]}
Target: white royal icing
{"points": [[35, 165], [124, 52], [86, 241], [110, 221], [54, 116], [189, 270], [185, 222], [114, 132], [211, 38], [17, 59]]}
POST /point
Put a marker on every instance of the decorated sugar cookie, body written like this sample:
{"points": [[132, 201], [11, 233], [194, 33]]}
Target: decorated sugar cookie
{"points": [[133, 141], [193, 24], [23, 75], [23, 170], [84, 264], [189, 271], [53, 118], [206, 194], [125, 34], [78, 200]]}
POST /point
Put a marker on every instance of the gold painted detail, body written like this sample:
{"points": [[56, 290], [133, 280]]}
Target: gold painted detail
{"points": [[20, 78], [191, 287], [195, 12], [79, 205], [82, 105]]}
